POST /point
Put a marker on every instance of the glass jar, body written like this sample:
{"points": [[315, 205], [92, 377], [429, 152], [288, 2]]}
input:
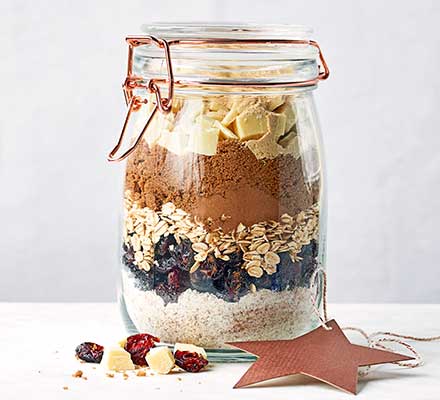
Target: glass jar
{"points": [[225, 213]]}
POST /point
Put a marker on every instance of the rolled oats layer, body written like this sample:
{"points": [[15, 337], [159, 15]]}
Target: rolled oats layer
{"points": [[258, 244]]}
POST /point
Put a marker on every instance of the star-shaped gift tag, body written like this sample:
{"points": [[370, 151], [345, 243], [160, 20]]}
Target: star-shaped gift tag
{"points": [[326, 355]]}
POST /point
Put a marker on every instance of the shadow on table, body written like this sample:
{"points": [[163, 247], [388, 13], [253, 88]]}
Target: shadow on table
{"points": [[304, 381]]}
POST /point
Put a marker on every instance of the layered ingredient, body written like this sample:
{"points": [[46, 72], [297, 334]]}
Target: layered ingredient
{"points": [[221, 230]]}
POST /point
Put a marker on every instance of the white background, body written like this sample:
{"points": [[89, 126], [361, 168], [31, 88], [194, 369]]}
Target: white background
{"points": [[61, 68]]}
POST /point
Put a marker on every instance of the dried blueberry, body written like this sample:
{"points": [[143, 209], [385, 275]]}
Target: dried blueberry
{"points": [[90, 352]]}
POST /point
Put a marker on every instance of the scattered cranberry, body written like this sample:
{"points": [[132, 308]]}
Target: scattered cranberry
{"points": [[138, 346], [190, 362], [90, 352]]}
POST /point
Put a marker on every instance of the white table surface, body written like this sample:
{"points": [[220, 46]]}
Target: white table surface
{"points": [[38, 342]]}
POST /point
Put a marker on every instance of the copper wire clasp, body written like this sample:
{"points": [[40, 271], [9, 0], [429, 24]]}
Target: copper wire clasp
{"points": [[163, 104], [135, 102]]}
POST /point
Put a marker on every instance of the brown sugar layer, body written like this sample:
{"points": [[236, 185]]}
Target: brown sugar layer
{"points": [[226, 189]]}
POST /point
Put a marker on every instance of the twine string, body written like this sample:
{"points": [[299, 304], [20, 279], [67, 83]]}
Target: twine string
{"points": [[377, 340], [314, 295]]}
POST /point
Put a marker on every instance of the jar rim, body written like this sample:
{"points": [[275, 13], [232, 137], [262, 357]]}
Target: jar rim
{"points": [[232, 52], [210, 30]]}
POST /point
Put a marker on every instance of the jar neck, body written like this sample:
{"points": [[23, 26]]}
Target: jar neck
{"points": [[239, 76]]}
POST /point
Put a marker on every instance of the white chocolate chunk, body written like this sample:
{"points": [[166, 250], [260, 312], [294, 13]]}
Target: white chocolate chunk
{"points": [[252, 123], [226, 133], [191, 348], [267, 146], [239, 105], [288, 110], [273, 102], [277, 124], [218, 104], [204, 139], [174, 141], [123, 342], [160, 360], [117, 359]]}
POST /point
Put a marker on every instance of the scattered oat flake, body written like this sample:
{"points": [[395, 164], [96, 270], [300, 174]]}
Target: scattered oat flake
{"points": [[110, 375], [141, 372], [65, 387], [78, 374], [125, 376]]}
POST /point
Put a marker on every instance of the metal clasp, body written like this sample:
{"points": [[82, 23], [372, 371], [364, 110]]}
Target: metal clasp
{"points": [[135, 102]]}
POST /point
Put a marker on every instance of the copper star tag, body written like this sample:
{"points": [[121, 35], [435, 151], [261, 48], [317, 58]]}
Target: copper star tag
{"points": [[326, 355]]}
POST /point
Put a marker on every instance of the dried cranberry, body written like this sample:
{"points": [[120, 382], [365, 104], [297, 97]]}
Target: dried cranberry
{"points": [[90, 352], [235, 284], [138, 346], [184, 255], [309, 250], [285, 275], [309, 262], [209, 271], [165, 246], [168, 293], [128, 256], [188, 361], [164, 265], [235, 260], [173, 279]]}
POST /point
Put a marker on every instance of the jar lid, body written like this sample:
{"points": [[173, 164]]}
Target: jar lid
{"points": [[234, 33], [237, 34]]}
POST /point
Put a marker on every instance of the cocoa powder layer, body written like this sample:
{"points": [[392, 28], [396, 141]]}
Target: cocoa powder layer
{"points": [[230, 187]]}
